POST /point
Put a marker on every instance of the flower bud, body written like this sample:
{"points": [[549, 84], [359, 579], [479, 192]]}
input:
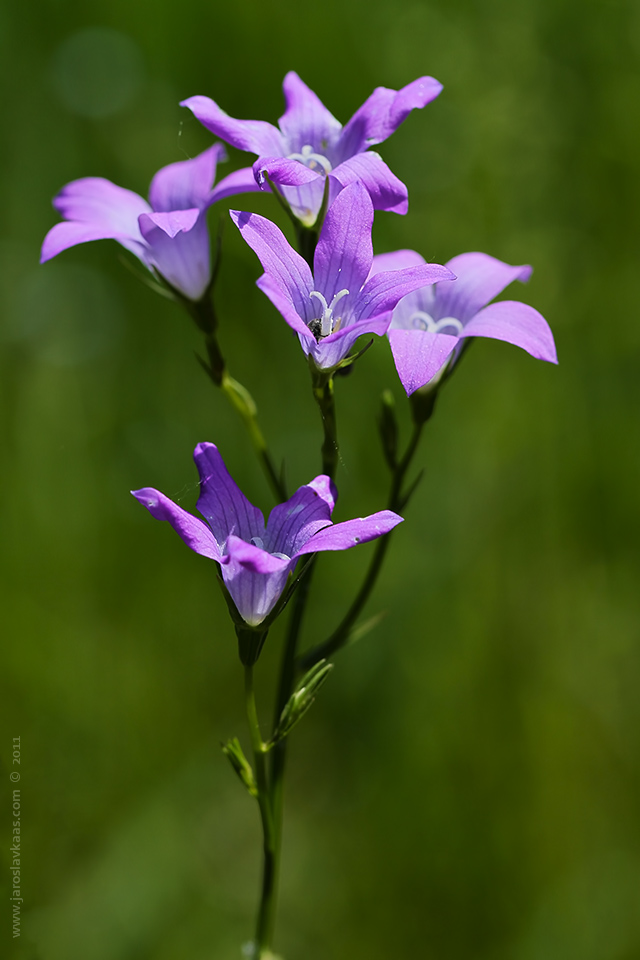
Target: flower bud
{"points": [[240, 764], [301, 699]]}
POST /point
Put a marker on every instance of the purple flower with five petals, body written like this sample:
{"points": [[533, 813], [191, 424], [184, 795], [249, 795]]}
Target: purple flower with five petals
{"points": [[429, 325], [332, 307], [255, 560], [169, 234], [309, 144]]}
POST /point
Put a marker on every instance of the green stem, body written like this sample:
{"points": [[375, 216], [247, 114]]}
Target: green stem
{"points": [[323, 392], [396, 501], [266, 913], [204, 316], [325, 398]]}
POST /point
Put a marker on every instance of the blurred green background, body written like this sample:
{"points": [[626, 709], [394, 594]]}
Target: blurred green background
{"points": [[467, 786]]}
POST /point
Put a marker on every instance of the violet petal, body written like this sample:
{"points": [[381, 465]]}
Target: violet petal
{"points": [[419, 355], [240, 181], [281, 301], [186, 183], [328, 352], [516, 323], [254, 594], [284, 171], [306, 119], [172, 222], [183, 259], [344, 252], [291, 524], [383, 291], [343, 536], [221, 502], [396, 260], [256, 136], [279, 260], [382, 113], [69, 234], [480, 278], [107, 211], [387, 192], [254, 558], [194, 532]]}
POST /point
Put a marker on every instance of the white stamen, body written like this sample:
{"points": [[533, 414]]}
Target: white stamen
{"points": [[327, 323], [315, 161], [424, 321], [257, 542]]}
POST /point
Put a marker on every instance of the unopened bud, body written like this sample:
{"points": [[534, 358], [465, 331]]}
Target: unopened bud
{"points": [[239, 396], [301, 699], [240, 764]]}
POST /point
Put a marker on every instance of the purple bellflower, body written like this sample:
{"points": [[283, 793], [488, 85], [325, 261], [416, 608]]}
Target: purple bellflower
{"points": [[332, 307], [169, 234], [255, 560], [309, 144], [429, 325]]}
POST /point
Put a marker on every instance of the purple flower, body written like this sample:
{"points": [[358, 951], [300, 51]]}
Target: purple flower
{"points": [[255, 560], [310, 144], [429, 324], [169, 234], [332, 307]]}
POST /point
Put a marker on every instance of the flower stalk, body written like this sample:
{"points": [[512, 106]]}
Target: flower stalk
{"points": [[323, 392], [266, 913], [397, 500]]}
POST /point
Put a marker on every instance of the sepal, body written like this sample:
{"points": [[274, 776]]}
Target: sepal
{"points": [[233, 751], [250, 642], [301, 699]]}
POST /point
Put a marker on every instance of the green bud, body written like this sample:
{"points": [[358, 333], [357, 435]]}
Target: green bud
{"points": [[239, 396], [388, 427], [301, 699], [240, 764]]}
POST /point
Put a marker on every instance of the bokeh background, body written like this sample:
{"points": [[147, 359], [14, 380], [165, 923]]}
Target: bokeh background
{"points": [[468, 783]]}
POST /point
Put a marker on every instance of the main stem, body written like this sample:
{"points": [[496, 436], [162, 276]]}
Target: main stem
{"points": [[266, 914], [323, 392]]}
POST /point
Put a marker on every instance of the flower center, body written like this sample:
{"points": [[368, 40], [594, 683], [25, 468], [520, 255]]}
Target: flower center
{"points": [[424, 321], [315, 161], [324, 325]]}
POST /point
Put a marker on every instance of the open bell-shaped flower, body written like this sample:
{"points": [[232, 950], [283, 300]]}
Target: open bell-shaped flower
{"points": [[430, 325], [337, 303], [169, 234], [256, 559], [309, 144]]}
